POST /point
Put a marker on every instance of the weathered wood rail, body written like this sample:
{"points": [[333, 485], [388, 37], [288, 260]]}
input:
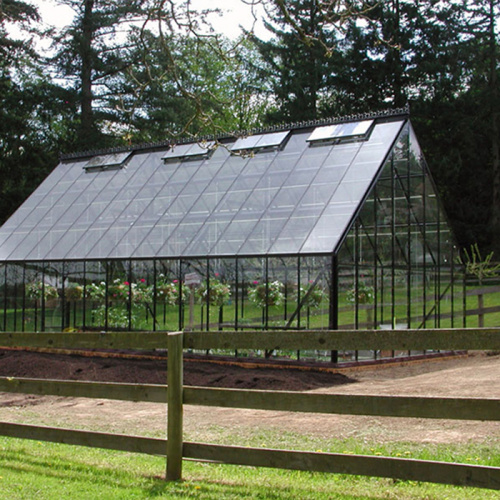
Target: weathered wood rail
{"points": [[176, 395]]}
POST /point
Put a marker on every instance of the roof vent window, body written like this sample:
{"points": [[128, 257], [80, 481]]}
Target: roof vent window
{"points": [[113, 161], [189, 152], [260, 142], [350, 131]]}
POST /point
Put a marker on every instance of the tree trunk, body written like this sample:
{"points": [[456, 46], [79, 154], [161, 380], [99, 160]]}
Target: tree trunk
{"points": [[397, 63], [86, 97]]}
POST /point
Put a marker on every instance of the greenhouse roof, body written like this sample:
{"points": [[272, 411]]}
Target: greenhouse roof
{"points": [[293, 190]]}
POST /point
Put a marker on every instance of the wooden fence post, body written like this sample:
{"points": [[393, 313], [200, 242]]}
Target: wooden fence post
{"points": [[175, 409]]}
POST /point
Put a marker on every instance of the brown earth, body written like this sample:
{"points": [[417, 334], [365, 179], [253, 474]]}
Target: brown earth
{"points": [[474, 376], [129, 368]]}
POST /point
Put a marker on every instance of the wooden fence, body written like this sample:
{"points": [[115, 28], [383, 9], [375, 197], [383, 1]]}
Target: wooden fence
{"points": [[176, 395]]}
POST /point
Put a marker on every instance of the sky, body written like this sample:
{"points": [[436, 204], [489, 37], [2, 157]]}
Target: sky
{"points": [[236, 13]]}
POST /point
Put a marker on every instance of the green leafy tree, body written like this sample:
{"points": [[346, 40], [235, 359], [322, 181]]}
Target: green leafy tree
{"points": [[186, 85]]}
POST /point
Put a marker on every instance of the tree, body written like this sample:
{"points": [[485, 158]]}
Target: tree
{"points": [[89, 54], [186, 85], [31, 109], [301, 60], [481, 25]]}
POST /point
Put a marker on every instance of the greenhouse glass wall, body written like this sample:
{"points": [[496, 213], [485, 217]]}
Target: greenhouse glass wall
{"points": [[324, 225]]}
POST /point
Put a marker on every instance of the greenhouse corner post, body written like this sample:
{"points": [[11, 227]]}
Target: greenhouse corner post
{"points": [[64, 307], [5, 299], [129, 301], [155, 294], [84, 297], [236, 296], [42, 320], [106, 295], [334, 303], [23, 320]]}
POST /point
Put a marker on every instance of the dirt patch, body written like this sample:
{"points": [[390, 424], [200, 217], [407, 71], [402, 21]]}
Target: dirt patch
{"points": [[197, 371], [475, 376]]}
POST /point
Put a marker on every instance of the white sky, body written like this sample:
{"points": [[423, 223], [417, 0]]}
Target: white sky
{"points": [[236, 13]]}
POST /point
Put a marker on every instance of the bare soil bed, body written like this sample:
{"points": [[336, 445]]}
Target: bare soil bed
{"points": [[129, 368], [474, 376]]}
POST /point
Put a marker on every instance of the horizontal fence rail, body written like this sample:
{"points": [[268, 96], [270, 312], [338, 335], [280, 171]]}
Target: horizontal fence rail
{"points": [[176, 395], [87, 340], [344, 404], [436, 339], [150, 393], [390, 467], [91, 439], [396, 468], [340, 404], [429, 339]]}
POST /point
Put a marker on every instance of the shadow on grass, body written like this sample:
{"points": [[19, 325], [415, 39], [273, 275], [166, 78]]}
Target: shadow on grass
{"points": [[102, 474]]}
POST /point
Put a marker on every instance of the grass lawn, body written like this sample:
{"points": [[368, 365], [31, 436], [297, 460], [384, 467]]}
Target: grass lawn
{"points": [[38, 470]]}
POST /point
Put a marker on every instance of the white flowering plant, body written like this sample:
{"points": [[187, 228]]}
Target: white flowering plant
{"points": [[267, 294], [37, 289], [218, 293], [363, 294]]}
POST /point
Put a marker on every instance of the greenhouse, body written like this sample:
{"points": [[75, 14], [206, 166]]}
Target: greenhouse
{"points": [[321, 225]]}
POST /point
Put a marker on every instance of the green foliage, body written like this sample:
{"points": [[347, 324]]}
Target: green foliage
{"points": [[478, 266], [122, 291], [118, 316], [73, 292], [363, 294], [38, 289], [267, 294], [216, 292], [301, 73], [312, 295], [168, 292], [185, 85]]}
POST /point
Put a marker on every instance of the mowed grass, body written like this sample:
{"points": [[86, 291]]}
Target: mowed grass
{"points": [[39, 470]]}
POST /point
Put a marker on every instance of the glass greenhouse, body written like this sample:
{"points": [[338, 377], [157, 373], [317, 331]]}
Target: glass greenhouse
{"points": [[321, 225]]}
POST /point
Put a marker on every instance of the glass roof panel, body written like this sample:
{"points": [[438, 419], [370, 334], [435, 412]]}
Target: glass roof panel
{"points": [[297, 199], [37, 217], [263, 235], [34, 200], [293, 234], [341, 131], [273, 140], [244, 143], [352, 189], [191, 151], [105, 162]]}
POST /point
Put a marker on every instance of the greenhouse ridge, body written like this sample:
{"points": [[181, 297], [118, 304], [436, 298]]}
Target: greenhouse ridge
{"points": [[239, 133]]}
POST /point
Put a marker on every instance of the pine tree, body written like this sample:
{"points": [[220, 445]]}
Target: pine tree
{"points": [[31, 109], [89, 54], [301, 61], [481, 25]]}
